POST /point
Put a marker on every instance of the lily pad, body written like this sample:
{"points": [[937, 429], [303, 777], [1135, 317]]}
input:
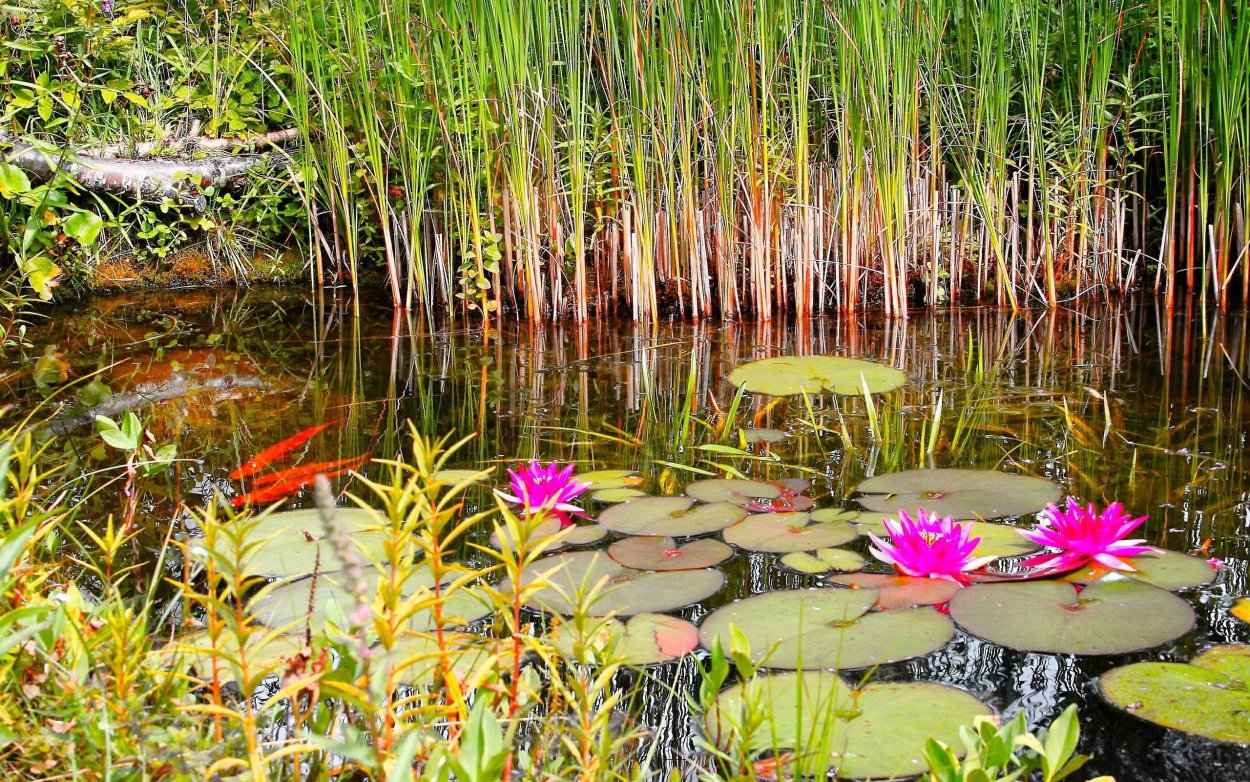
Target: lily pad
{"points": [[964, 494], [264, 652], [1207, 697], [314, 600], [997, 538], [733, 490], [786, 532], [843, 514], [650, 553], [416, 659], [788, 375], [293, 544], [608, 479], [876, 732], [1108, 617], [1241, 609], [762, 434], [621, 494], [626, 591], [901, 591], [646, 639], [823, 560], [577, 535], [1170, 570], [670, 517], [826, 628], [457, 477]]}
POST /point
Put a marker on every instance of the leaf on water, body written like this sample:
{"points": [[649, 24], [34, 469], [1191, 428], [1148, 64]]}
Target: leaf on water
{"points": [[789, 375], [670, 517], [823, 561], [786, 532], [963, 494], [653, 553]]}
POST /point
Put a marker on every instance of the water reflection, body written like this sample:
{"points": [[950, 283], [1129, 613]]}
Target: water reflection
{"points": [[1123, 403]]}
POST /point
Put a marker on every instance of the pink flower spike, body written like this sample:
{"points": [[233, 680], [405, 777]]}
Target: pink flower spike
{"points": [[928, 547], [540, 489], [1084, 535]]}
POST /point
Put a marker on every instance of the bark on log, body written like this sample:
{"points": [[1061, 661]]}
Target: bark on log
{"points": [[181, 179]]}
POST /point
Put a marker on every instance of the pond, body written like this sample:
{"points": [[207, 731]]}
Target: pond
{"points": [[1122, 404]]}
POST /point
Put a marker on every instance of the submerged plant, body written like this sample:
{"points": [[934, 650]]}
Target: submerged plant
{"points": [[546, 489], [1085, 534], [928, 547]]}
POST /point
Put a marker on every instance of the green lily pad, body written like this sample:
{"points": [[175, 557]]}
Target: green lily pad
{"points": [[292, 543], [826, 628], [646, 639], [788, 375], [457, 477], [608, 479], [1108, 617], [997, 538], [876, 732], [670, 517], [1170, 570], [901, 591], [555, 537], [416, 659], [733, 490], [650, 553], [626, 591], [312, 601], [1207, 697], [264, 652], [842, 514], [786, 532], [762, 434], [823, 560], [964, 494], [622, 494]]}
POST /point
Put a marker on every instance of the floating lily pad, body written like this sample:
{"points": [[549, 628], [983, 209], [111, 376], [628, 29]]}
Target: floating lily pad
{"points": [[786, 532], [622, 494], [416, 659], [650, 553], [826, 628], [312, 601], [608, 479], [457, 477], [901, 591], [264, 652], [1207, 697], [292, 543], [876, 732], [646, 639], [787, 375], [964, 494], [761, 434], [823, 560], [1108, 617], [843, 514], [670, 517], [556, 538], [997, 538], [733, 490], [626, 591], [1169, 570], [786, 503]]}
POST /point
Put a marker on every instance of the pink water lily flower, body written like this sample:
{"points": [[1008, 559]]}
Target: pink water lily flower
{"points": [[928, 547], [1086, 535], [546, 489]]}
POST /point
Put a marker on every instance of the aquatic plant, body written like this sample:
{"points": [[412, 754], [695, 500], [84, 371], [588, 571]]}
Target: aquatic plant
{"points": [[1084, 534], [928, 546], [541, 490]]}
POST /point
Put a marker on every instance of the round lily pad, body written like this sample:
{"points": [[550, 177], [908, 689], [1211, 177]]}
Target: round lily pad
{"points": [[622, 494], [823, 560], [786, 532], [625, 591], [876, 732], [787, 375], [761, 434], [416, 659], [264, 652], [734, 490], [555, 538], [670, 517], [650, 553], [997, 538], [1169, 570], [1206, 697], [964, 494], [826, 628], [646, 639], [1108, 617], [608, 479], [901, 591], [292, 543]]}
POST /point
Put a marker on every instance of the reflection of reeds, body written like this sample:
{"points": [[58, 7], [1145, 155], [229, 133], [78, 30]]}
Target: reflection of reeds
{"points": [[589, 156]]}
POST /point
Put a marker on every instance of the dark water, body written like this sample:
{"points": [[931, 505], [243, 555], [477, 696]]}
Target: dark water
{"points": [[1123, 404]]}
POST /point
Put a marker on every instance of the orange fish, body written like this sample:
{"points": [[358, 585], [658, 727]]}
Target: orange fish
{"points": [[275, 452]]}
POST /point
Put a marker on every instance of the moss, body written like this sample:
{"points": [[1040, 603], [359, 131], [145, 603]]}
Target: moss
{"points": [[188, 268]]}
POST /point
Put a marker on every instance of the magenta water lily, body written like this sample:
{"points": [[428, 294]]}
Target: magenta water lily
{"points": [[540, 488], [928, 547], [1085, 534]]}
